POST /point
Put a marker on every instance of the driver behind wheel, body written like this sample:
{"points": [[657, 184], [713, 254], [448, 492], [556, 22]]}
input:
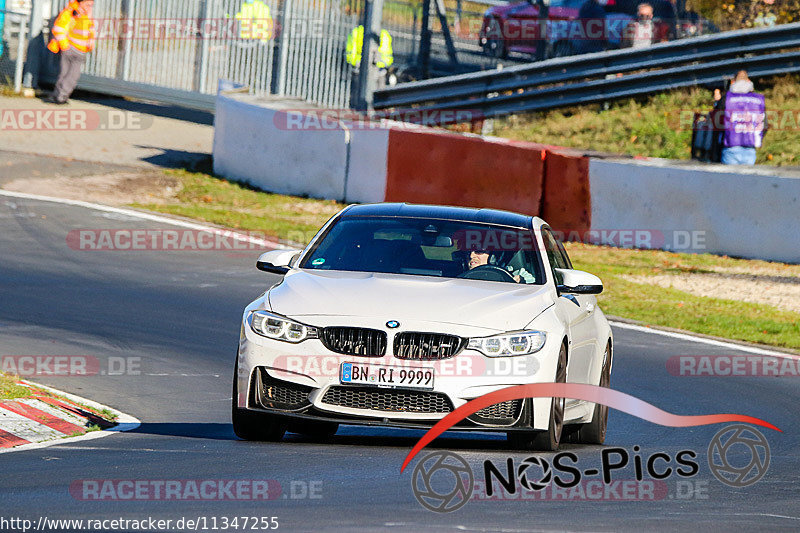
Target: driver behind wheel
{"points": [[482, 257]]}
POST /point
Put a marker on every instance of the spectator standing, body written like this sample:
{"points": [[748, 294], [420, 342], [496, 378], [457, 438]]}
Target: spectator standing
{"points": [[542, 16], [73, 37], [592, 18], [355, 43], [745, 121], [642, 31]]}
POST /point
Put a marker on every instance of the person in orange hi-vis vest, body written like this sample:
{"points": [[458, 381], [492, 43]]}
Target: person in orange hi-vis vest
{"points": [[73, 37]]}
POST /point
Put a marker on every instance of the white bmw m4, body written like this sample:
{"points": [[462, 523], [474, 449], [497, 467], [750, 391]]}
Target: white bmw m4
{"points": [[397, 314]]}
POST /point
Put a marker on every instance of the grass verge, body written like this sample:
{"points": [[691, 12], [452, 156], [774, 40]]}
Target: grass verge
{"points": [[721, 317], [235, 205], [208, 198], [10, 390]]}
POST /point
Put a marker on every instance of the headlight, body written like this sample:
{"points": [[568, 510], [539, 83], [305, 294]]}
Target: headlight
{"points": [[280, 328], [508, 344]]}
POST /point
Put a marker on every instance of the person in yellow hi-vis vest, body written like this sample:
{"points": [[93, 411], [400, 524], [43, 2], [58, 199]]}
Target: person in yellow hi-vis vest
{"points": [[73, 37], [355, 43], [255, 21]]}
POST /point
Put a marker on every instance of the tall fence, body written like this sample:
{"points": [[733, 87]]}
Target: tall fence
{"points": [[180, 48], [13, 42], [175, 51]]}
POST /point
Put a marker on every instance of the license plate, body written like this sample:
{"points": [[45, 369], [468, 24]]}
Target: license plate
{"points": [[386, 376]]}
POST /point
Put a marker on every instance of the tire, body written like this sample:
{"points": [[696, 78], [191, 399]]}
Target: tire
{"points": [[495, 46], [253, 426], [595, 431], [549, 440], [314, 429]]}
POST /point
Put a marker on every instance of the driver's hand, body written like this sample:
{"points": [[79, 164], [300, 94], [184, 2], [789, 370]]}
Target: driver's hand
{"points": [[518, 279]]}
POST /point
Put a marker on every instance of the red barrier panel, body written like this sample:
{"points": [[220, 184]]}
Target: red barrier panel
{"points": [[567, 202], [431, 167]]}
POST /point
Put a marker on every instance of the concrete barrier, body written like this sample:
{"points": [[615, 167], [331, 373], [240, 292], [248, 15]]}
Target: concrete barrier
{"points": [[434, 167], [567, 201], [268, 145], [650, 203], [741, 212], [366, 174]]}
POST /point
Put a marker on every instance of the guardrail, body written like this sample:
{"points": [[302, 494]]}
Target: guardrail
{"points": [[603, 76]]}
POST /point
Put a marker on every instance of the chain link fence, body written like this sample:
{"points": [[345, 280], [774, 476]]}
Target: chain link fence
{"points": [[13, 43], [292, 48]]}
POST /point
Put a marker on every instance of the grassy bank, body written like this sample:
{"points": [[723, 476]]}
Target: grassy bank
{"points": [[210, 199], [233, 205], [659, 126], [664, 306]]}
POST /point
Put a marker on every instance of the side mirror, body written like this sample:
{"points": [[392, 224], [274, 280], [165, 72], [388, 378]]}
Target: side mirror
{"points": [[578, 282], [277, 261]]}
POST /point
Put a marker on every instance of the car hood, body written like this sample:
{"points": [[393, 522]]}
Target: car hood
{"points": [[485, 304]]}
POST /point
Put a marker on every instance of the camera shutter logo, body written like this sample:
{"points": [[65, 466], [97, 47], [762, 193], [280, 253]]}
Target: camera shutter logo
{"points": [[738, 442], [442, 482], [525, 467]]}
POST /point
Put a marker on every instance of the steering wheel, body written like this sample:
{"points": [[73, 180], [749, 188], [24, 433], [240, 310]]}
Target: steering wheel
{"points": [[488, 273]]}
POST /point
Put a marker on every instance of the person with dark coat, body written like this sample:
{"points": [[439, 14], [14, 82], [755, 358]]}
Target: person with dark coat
{"points": [[592, 18]]}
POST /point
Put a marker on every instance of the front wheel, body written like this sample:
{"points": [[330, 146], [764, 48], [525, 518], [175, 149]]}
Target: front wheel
{"points": [[595, 431], [249, 425], [549, 440]]}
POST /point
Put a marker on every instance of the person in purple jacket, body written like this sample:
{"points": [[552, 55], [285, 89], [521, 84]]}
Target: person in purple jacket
{"points": [[745, 121]]}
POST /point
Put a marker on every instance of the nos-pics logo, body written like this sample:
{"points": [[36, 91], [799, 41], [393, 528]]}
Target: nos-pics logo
{"points": [[738, 456]]}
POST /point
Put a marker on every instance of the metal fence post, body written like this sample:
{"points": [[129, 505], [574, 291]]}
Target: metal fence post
{"points": [[201, 59], [373, 13], [424, 55], [20, 56], [33, 63], [125, 40], [280, 66]]}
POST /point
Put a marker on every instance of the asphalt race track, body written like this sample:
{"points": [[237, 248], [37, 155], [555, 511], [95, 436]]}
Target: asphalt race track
{"points": [[179, 312]]}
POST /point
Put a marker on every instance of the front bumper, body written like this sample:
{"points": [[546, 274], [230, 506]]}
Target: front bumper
{"points": [[271, 371]]}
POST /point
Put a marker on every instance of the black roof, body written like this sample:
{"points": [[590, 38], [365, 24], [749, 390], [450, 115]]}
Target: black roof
{"points": [[464, 214]]}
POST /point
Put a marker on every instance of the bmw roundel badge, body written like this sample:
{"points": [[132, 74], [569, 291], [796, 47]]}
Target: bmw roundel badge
{"points": [[393, 324]]}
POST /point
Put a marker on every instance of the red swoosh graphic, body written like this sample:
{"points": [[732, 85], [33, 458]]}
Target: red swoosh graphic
{"points": [[578, 391]]}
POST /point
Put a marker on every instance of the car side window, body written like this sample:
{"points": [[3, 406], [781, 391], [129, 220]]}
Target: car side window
{"points": [[565, 258], [553, 253]]}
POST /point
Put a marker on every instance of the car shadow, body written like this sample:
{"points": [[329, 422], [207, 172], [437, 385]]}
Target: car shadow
{"points": [[378, 437], [198, 430]]}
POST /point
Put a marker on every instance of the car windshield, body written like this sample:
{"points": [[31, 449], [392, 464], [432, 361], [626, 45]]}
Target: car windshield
{"points": [[428, 247]]}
